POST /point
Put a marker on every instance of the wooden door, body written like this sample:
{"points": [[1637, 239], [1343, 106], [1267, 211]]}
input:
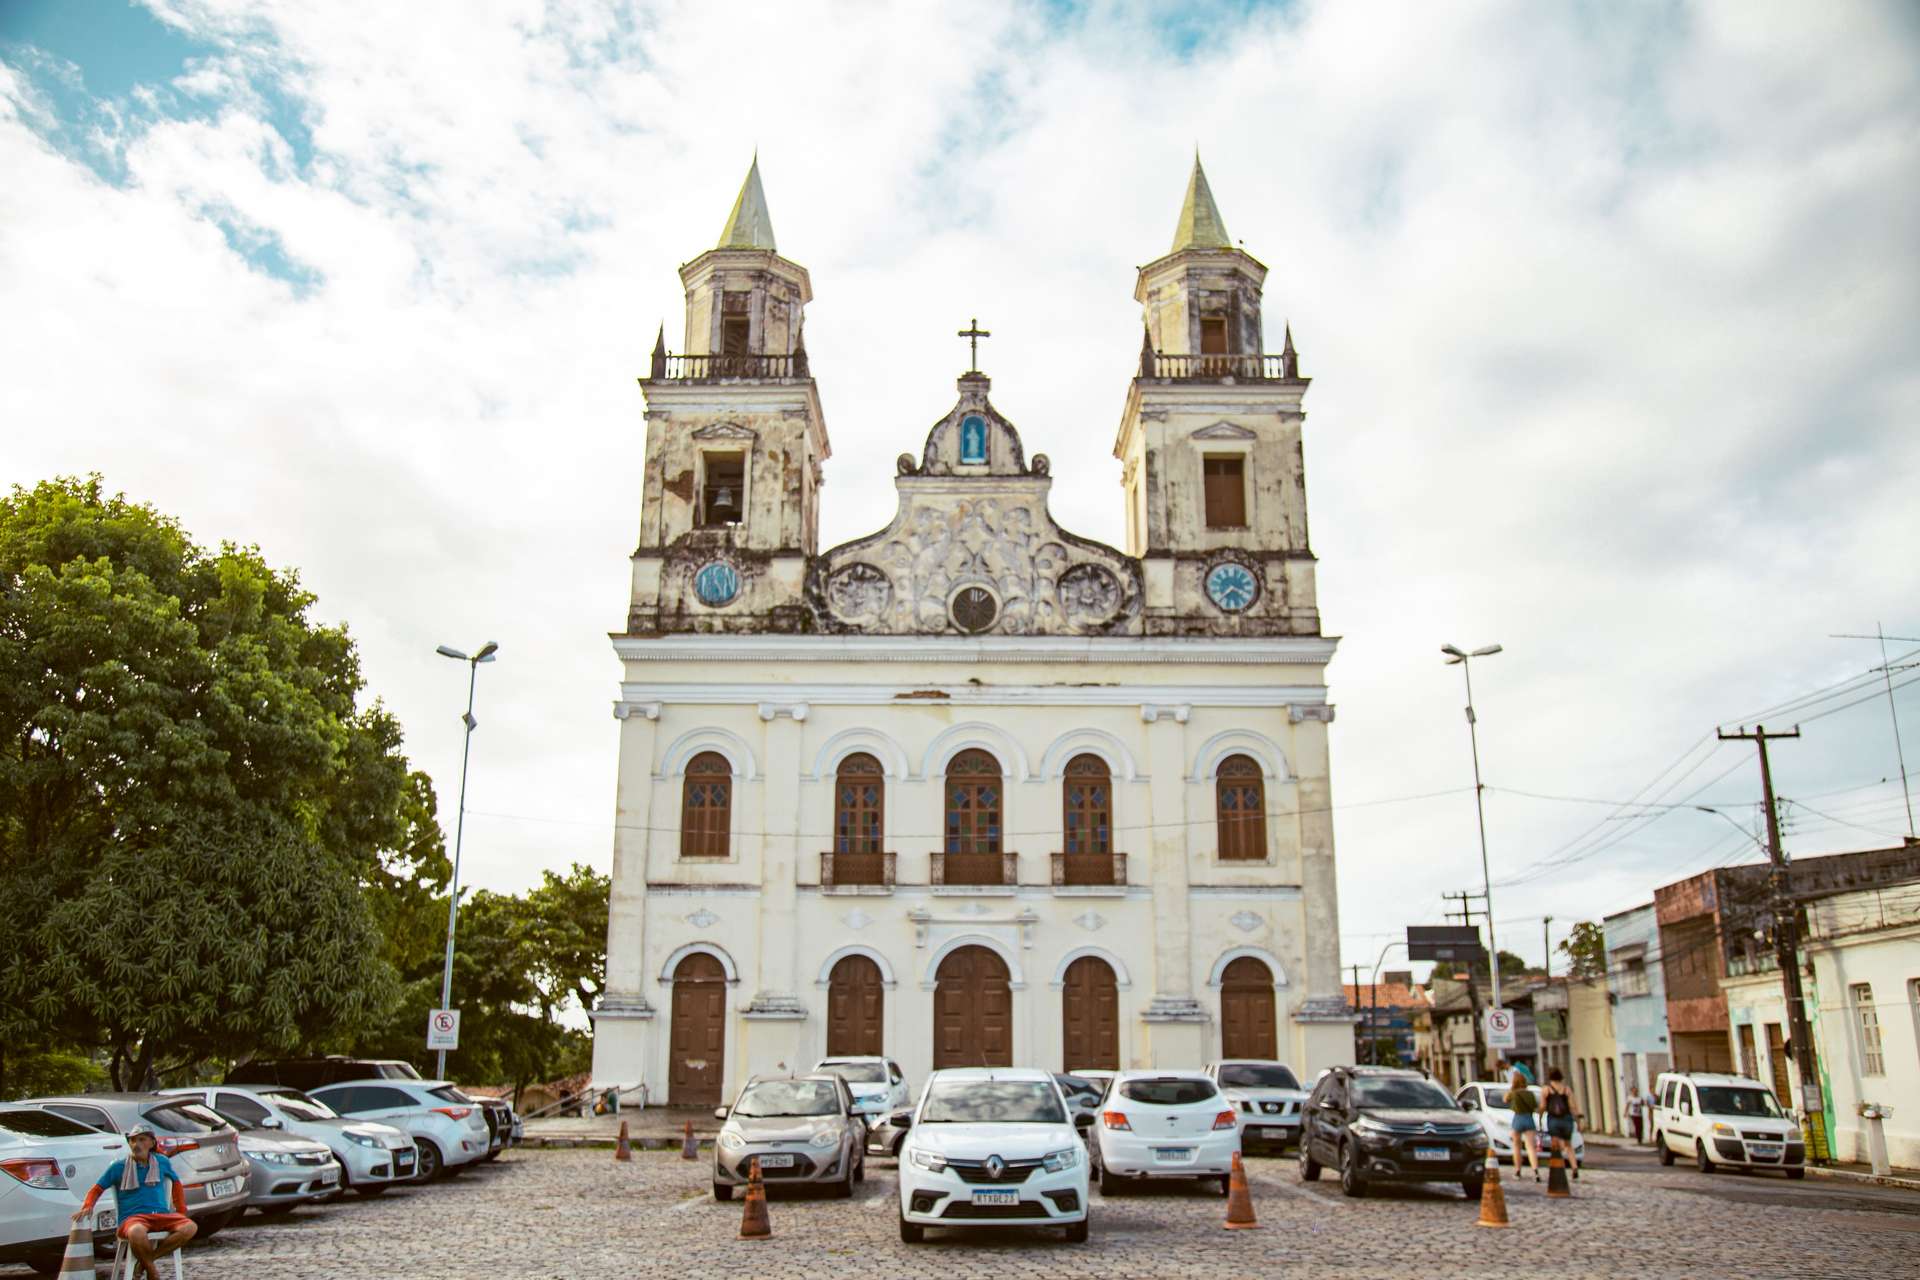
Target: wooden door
{"points": [[972, 1011], [1247, 1027], [698, 1040], [1090, 1009], [1777, 1061], [854, 1008]]}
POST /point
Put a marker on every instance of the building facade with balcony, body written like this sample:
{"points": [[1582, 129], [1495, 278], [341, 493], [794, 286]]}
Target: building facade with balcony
{"points": [[973, 790]]}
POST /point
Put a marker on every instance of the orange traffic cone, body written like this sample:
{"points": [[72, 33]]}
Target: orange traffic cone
{"points": [[689, 1149], [78, 1259], [622, 1150], [754, 1224], [1557, 1186], [1239, 1201], [1493, 1198]]}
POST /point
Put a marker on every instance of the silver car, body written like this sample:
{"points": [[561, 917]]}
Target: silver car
{"points": [[204, 1149], [288, 1171], [801, 1128], [372, 1156]]}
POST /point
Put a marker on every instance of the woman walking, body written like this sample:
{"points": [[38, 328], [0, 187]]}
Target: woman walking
{"points": [[1561, 1112], [1521, 1101], [1636, 1109]]}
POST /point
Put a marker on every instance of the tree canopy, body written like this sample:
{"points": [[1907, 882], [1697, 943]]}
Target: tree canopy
{"points": [[1586, 950]]}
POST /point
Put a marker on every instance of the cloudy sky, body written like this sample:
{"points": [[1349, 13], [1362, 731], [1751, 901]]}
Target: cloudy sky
{"points": [[1610, 311]]}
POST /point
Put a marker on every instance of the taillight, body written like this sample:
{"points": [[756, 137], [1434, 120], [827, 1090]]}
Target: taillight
{"points": [[174, 1146], [1116, 1120], [1224, 1120], [455, 1113], [36, 1173]]}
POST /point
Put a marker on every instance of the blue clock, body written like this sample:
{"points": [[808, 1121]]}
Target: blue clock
{"points": [[1232, 587], [716, 583]]}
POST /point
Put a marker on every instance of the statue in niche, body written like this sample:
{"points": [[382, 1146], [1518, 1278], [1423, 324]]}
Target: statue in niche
{"points": [[973, 439]]}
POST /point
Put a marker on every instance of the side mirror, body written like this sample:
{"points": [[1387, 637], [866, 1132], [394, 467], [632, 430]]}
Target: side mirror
{"points": [[1083, 1120], [902, 1120], [273, 1122], [719, 1113]]}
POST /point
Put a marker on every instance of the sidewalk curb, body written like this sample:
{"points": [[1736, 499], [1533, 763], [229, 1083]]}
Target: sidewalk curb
{"points": [[1866, 1179], [569, 1142]]}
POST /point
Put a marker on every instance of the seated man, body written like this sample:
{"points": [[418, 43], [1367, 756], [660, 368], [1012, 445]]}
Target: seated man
{"points": [[140, 1188]]}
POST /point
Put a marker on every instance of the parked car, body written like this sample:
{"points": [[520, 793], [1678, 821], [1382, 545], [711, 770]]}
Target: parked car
{"points": [[800, 1128], [1082, 1095], [1267, 1096], [448, 1129], [991, 1146], [1386, 1124], [885, 1137], [311, 1073], [1099, 1078], [1487, 1100], [371, 1156], [1724, 1120], [879, 1086], [47, 1162], [204, 1149], [1165, 1124], [502, 1124]]}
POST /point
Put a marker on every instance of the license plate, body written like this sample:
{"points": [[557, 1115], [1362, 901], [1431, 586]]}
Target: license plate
{"points": [[1431, 1153], [1173, 1155], [1766, 1150], [224, 1187], [329, 1176], [996, 1197], [104, 1220], [776, 1162], [403, 1160]]}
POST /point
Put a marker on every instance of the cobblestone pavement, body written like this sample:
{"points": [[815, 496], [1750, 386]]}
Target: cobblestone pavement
{"points": [[578, 1215]]}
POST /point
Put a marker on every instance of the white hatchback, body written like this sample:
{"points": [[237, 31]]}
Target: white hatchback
{"points": [[47, 1162], [1165, 1124], [878, 1085], [1724, 1120], [991, 1146]]}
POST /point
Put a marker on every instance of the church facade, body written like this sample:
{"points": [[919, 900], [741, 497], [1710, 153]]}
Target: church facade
{"points": [[972, 790]]}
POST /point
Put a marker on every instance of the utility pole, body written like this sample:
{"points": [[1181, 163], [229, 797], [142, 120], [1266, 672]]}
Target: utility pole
{"points": [[1356, 1021], [1786, 950], [1546, 943], [1466, 914]]}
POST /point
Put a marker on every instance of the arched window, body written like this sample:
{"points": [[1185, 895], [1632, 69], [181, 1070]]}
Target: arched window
{"points": [[859, 800], [1240, 799], [706, 806], [973, 803], [1086, 798]]}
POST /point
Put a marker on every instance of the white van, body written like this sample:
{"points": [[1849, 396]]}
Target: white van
{"points": [[1724, 1120]]}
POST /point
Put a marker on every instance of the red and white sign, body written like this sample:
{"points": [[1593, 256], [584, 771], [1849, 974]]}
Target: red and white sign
{"points": [[443, 1029], [1501, 1033]]}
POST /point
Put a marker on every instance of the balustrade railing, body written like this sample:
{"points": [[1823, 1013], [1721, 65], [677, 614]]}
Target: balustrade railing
{"points": [[713, 368], [1210, 368], [1089, 868], [975, 868], [840, 870]]}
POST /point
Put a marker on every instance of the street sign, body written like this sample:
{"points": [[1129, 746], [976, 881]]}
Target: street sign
{"points": [[1501, 1033], [443, 1029], [1443, 942]]}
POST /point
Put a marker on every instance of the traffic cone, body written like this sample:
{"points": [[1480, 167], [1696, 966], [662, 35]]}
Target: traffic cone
{"points": [[78, 1259], [689, 1149], [622, 1150], [754, 1224], [1557, 1186], [1493, 1198], [1239, 1200]]}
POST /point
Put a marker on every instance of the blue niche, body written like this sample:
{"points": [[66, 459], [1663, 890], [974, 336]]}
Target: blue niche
{"points": [[716, 583], [973, 439]]}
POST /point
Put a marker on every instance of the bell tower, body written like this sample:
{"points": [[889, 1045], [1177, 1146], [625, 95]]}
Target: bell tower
{"points": [[735, 437], [1209, 443]]}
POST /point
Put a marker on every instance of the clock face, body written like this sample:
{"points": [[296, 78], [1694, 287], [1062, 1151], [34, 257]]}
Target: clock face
{"points": [[974, 609], [716, 583], [1231, 587]]}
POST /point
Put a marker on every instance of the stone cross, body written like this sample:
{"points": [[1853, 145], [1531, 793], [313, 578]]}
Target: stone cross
{"points": [[973, 333]]}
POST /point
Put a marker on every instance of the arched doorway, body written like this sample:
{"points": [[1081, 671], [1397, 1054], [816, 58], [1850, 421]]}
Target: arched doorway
{"points": [[697, 1042], [1247, 1027], [1090, 1013], [972, 1011], [854, 1008]]}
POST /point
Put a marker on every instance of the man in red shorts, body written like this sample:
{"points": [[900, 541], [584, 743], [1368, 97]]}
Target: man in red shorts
{"points": [[141, 1183]]}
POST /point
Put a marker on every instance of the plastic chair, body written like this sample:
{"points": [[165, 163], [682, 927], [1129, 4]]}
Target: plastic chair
{"points": [[121, 1249]]}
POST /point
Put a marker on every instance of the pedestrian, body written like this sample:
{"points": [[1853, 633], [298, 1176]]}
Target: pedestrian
{"points": [[150, 1198], [1561, 1114], [1636, 1109], [1521, 1102]]}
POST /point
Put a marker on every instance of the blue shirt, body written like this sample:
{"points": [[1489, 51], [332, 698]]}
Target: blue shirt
{"points": [[143, 1198]]}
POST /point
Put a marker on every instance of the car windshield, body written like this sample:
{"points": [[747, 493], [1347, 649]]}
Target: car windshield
{"points": [[1399, 1091], [1171, 1091], [1722, 1100], [298, 1106], [186, 1118], [1256, 1075], [1496, 1099], [789, 1098], [41, 1124], [992, 1102], [858, 1072]]}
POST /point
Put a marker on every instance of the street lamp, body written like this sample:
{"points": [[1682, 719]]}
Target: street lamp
{"points": [[485, 654], [1456, 656]]}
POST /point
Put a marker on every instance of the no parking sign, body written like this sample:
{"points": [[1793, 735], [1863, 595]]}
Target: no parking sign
{"points": [[443, 1029], [1501, 1033]]}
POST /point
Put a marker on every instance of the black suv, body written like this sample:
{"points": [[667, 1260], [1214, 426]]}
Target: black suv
{"points": [[312, 1073], [1382, 1124]]}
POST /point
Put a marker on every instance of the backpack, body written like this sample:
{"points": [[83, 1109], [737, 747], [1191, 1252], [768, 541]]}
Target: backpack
{"points": [[1559, 1105]]}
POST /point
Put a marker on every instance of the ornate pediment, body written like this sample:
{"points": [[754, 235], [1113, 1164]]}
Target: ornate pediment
{"points": [[1225, 431], [725, 431]]}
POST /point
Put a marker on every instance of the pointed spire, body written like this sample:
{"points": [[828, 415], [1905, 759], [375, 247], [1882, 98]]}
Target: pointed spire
{"points": [[1201, 226], [658, 365], [749, 226], [1289, 358], [1146, 352]]}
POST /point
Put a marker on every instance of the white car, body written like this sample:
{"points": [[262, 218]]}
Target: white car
{"points": [[991, 1146], [1165, 1124], [1487, 1099], [1267, 1096], [1724, 1120], [448, 1130], [372, 1156], [879, 1086], [47, 1162]]}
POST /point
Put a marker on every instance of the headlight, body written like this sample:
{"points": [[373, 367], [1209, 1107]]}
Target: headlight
{"points": [[928, 1160], [1477, 1138], [1370, 1127], [1725, 1130], [364, 1139], [1065, 1158], [825, 1138], [731, 1139], [274, 1157]]}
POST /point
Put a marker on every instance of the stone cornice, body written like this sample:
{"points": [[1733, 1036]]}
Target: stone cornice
{"points": [[1202, 651]]}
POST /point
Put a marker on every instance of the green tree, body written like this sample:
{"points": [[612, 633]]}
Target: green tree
{"points": [[192, 796], [1511, 965], [1586, 950]]}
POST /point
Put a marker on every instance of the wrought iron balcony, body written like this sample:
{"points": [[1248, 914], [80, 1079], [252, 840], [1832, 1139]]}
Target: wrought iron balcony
{"points": [[721, 368], [848, 870], [1284, 367], [1089, 869], [976, 868]]}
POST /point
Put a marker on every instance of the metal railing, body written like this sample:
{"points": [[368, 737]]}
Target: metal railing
{"points": [[1089, 868], [838, 870], [716, 368], [1213, 368], [976, 868]]}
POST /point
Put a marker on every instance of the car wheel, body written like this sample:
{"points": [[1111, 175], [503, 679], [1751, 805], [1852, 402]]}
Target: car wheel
{"points": [[721, 1191], [1701, 1159], [1309, 1167], [1226, 1184], [1473, 1187], [1351, 1181], [428, 1164], [48, 1264], [1666, 1152], [1111, 1184], [1796, 1174], [370, 1190], [1077, 1233], [215, 1224], [911, 1233], [860, 1169]]}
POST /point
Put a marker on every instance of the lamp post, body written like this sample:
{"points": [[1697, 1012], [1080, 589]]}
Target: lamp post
{"points": [[1456, 656], [485, 654]]}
